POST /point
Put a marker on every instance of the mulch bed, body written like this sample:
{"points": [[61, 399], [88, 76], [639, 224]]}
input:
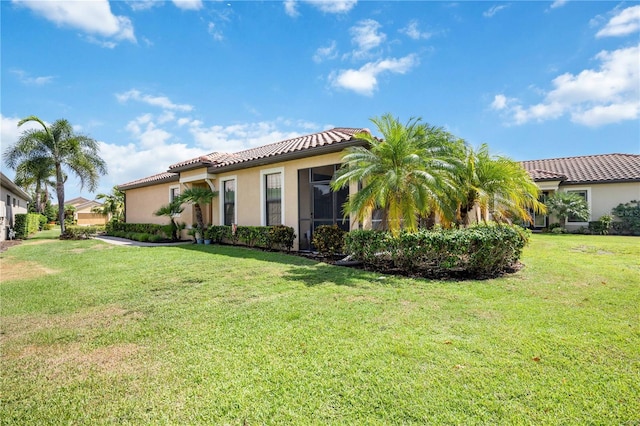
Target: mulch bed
{"points": [[4, 245]]}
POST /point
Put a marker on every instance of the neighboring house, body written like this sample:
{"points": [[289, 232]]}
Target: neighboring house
{"points": [[84, 214], [285, 183], [13, 200], [604, 181]]}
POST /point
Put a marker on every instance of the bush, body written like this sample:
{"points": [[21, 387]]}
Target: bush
{"points": [[253, 235], [26, 224], [601, 226], [138, 228], [81, 232], [479, 251], [328, 240], [280, 236], [629, 216], [218, 233]]}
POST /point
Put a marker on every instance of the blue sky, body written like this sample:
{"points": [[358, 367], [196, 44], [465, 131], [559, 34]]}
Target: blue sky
{"points": [[159, 82]]}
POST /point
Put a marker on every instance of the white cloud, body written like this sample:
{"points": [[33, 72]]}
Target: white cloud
{"points": [[28, 80], [366, 37], [138, 5], [290, 8], [624, 23], [159, 101], [593, 97], [327, 6], [414, 32], [558, 3], [493, 10], [10, 132], [214, 32], [93, 17], [364, 81], [323, 53], [188, 4]]}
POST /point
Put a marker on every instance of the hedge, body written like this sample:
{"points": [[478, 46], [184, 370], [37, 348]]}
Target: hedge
{"points": [[268, 237], [81, 232], [479, 251], [114, 227], [26, 224]]}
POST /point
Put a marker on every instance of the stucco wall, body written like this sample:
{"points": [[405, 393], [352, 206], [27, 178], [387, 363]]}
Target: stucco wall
{"points": [[141, 203], [604, 197], [8, 212]]}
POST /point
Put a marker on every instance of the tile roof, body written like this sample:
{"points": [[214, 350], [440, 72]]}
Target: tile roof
{"points": [[328, 138], [159, 178], [586, 169]]}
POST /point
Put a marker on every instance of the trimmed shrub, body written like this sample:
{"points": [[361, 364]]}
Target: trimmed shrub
{"points": [[81, 232], [328, 240], [253, 235], [480, 251], [280, 236], [601, 226], [26, 224], [629, 218], [140, 228]]}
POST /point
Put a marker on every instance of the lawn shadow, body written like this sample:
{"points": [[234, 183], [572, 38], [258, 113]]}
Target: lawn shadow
{"points": [[301, 269]]}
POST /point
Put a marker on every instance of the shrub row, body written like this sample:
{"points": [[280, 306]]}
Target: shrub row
{"points": [[328, 240], [113, 227], [629, 215], [81, 232], [269, 237], [480, 251], [27, 224], [140, 236]]}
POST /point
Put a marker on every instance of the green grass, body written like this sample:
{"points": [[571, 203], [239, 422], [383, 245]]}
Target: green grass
{"points": [[94, 334]]}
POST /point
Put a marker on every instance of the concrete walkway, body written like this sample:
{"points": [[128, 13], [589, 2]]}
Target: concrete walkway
{"points": [[124, 242]]}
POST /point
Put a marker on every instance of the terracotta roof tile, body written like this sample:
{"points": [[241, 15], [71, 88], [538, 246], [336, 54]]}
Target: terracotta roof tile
{"points": [[587, 169], [160, 177]]}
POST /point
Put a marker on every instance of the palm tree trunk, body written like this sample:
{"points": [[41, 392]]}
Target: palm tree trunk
{"points": [[60, 194]]}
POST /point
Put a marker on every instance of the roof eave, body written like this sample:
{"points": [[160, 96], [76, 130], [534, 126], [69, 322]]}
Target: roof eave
{"points": [[126, 187], [295, 155]]}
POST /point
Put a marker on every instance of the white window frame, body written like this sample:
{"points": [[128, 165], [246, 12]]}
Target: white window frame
{"points": [[263, 195], [235, 198], [587, 189], [171, 188]]}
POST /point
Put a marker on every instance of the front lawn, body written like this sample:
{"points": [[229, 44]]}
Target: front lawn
{"points": [[92, 333]]}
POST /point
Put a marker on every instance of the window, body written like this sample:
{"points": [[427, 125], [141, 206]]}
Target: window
{"points": [[174, 192], [584, 194], [229, 202], [273, 197], [14, 202]]}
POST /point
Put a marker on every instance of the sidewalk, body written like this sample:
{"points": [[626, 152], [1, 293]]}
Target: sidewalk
{"points": [[124, 242]]}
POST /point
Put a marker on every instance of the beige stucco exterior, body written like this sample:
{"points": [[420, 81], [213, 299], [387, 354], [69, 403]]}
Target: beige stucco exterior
{"points": [[143, 201], [601, 198], [13, 200]]}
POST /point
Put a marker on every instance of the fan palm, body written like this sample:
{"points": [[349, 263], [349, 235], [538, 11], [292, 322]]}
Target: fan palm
{"points": [[567, 204], [406, 173], [171, 210], [495, 186], [65, 149], [198, 196]]}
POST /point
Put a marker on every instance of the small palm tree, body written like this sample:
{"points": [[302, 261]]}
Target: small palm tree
{"points": [[496, 186], [406, 174], [171, 210], [65, 149], [113, 204], [198, 196], [567, 204]]}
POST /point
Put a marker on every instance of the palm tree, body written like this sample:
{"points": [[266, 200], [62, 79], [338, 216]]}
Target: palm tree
{"points": [[198, 196], [65, 149], [36, 174], [567, 204], [171, 210], [113, 204], [495, 186], [406, 174]]}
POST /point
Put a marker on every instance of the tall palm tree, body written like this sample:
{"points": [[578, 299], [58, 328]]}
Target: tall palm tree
{"points": [[36, 175], [496, 186], [406, 173], [66, 150], [113, 204], [198, 196]]}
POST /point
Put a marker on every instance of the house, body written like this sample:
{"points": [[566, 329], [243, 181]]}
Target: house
{"points": [[13, 200], [286, 183], [604, 181], [84, 214]]}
